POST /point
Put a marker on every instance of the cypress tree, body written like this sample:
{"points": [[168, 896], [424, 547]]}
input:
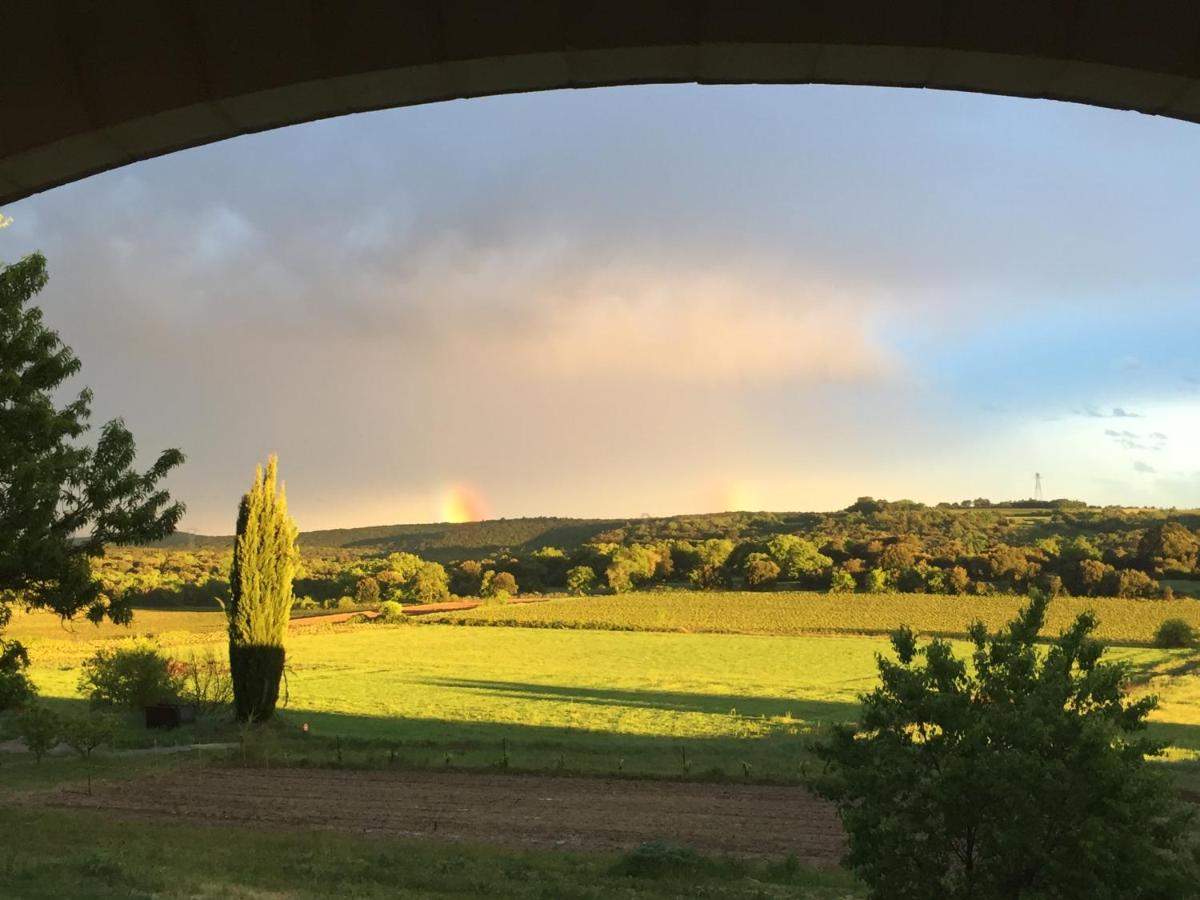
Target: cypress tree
{"points": [[265, 561]]}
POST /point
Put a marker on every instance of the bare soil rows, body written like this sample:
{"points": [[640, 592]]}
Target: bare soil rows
{"points": [[589, 814]]}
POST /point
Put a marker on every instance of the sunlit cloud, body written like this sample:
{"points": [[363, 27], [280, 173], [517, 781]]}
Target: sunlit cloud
{"points": [[715, 329]]}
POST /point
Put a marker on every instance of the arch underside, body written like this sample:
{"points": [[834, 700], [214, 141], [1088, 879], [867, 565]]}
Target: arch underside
{"points": [[90, 86]]}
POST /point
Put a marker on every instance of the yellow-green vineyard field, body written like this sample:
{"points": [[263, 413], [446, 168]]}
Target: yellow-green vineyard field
{"points": [[795, 613]]}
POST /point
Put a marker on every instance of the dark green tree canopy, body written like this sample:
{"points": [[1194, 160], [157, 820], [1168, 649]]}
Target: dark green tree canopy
{"points": [[1022, 775], [61, 501]]}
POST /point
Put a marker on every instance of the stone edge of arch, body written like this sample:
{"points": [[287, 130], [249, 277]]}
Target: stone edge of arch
{"points": [[25, 174]]}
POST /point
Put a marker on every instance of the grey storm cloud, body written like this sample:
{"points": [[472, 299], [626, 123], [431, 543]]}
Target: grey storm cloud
{"points": [[517, 290]]}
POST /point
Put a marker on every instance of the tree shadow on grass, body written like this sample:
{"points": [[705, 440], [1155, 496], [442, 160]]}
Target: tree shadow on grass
{"points": [[804, 710], [374, 742]]}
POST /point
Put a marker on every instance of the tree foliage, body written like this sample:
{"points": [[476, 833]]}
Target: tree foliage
{"points": [[1168, 548], [265, 561], [761, 572], [498, 585], [366, 592], [581, 580], [1022, 775], [16, 689], [62, 502], [797, 557], [39, 727]]}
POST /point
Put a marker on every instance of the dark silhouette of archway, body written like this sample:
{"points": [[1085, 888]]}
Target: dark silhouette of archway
{"points": [[90, 85]]}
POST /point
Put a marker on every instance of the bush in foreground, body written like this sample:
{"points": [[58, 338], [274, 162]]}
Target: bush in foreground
{"points": [[1174, 633], [131, 677], [1024, 775]]}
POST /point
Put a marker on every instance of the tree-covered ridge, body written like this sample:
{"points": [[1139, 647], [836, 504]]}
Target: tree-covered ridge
{"points": [[872, 546], [440, 541], [976, 525]]}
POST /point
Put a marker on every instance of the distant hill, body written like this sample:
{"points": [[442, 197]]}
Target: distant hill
{"points": [[441, 541], [445, 542]]}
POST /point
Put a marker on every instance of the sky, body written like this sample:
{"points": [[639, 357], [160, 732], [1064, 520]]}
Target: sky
{"points": [[647, 300]]}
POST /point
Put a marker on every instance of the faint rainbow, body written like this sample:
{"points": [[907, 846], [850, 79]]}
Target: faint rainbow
{"points": [[460, 502]]}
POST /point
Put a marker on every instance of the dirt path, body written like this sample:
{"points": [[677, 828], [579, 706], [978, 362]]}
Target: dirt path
{"points": [[425, 609], [420, 609], [511, 810], [332, 618]]}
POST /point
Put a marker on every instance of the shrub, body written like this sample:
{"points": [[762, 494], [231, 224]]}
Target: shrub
{"points": [[39, 727], [133, 677], [391, 613], [305, 603], [1175, 633], [657, 859], [1023, 774], [346, 604]]}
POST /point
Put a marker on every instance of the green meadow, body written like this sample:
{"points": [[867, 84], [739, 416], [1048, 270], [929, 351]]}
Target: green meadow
{"points": [[1121, 621], [595, 701], [572, 700]]}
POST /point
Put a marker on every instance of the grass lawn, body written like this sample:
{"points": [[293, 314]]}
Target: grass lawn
{"points": [[638, 703], [49, 854], [631, 702]]}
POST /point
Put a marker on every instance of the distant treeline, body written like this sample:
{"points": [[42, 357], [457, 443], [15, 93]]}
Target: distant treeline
{"points": [[973, 547]]}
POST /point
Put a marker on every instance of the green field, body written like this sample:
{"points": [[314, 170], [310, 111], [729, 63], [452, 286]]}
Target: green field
{"points": [[803, 613], [644, 703], [635, 703], [175, 626]]}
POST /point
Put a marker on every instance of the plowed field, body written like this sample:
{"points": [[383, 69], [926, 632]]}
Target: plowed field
{"points": [[586, 814]]}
